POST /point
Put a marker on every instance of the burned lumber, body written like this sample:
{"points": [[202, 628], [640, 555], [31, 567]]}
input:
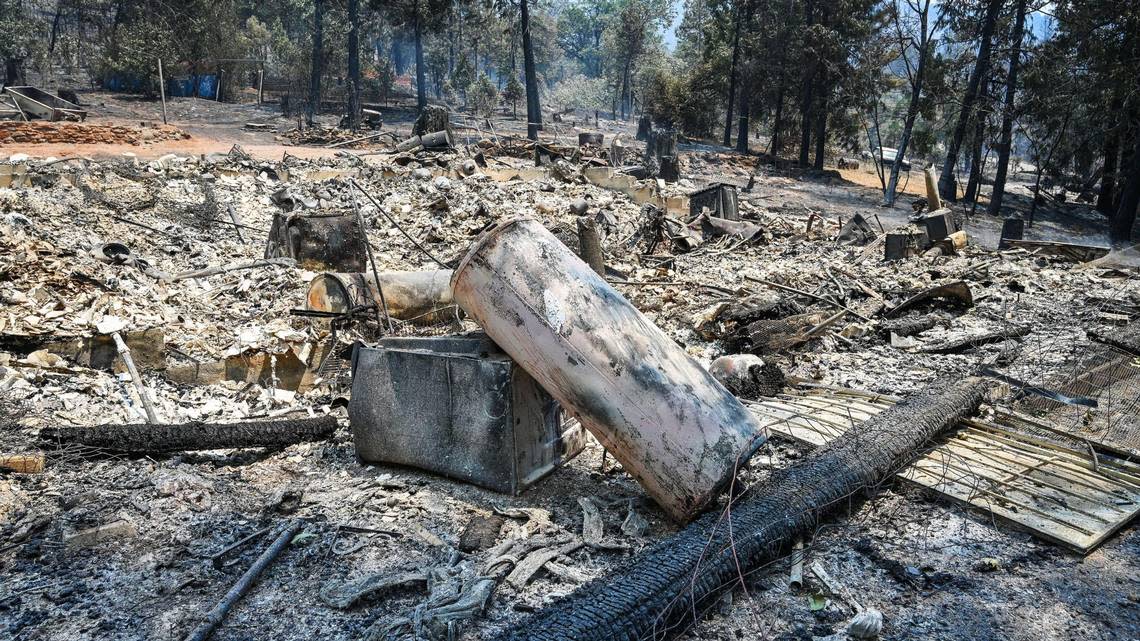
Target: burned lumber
{"points": [[215, 616], [1126, 338], [144, 438], [910, 325], [658, 593], [964, 343]]}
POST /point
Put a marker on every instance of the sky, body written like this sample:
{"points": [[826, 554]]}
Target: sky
{"points": [[1039, 24], [669, 35]]}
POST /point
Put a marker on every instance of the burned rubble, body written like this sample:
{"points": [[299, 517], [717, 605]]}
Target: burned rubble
{"points": [[434, 391]]}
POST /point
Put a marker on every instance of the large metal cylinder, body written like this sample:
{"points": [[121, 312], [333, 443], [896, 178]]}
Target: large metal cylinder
{"points": [[672, 426], [422, 298]]}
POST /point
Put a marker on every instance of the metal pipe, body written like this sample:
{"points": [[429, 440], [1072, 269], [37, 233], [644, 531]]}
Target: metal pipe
{"points": [[423, 298], [678, 431]]}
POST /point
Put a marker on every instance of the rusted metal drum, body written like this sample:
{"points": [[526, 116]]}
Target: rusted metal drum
{"points": [[423, 298], [672, 426]]}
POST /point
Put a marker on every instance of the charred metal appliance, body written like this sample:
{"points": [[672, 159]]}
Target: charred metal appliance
{"points": [[718, 198], [320, 242], [460, 407]]}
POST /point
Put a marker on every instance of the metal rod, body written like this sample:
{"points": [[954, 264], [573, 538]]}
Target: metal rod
{"points": [[216, 615], [397, 225], [372, 262], [162, 90]]}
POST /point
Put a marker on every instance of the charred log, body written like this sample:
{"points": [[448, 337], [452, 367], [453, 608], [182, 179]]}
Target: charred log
{"points": [[657, 593], [142, 438], [909, 326]]}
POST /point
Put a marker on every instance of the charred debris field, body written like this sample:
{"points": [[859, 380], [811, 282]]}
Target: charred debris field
{"points": [[136, 495]]}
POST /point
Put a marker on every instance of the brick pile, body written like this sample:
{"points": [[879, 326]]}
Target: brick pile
{"points": [[85, 133]]}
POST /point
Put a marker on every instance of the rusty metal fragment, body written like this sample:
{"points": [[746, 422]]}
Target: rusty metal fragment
{"points": [[320, 242], [719, 198], [420, 297]]}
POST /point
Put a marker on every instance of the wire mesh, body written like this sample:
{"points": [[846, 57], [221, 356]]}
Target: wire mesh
{"points": [[1108, 375]]}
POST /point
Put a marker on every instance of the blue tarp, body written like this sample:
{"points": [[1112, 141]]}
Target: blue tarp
{"points": [[181, 87], [119, 83], [208, 86]]}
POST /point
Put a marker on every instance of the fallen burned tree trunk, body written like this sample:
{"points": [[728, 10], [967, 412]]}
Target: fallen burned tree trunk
{"points": [[659, 592], [192, 436]]}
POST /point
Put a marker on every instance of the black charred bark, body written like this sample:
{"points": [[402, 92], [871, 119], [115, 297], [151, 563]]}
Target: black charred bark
{"points": [[147, 439]]}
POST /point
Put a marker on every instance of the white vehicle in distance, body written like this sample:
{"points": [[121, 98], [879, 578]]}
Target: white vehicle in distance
{"points": [[888, 154]]}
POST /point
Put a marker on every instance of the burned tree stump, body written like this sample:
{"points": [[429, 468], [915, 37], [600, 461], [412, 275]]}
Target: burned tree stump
{"points": [[147, 439], [432, 119], [319, 242], [590, 245], [664, 588], [644, 128]]}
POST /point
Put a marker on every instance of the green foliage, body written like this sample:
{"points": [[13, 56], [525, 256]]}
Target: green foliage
{"points": [[514, 91], [464, 73], [17, 30], [482, 97], [681, 99]]}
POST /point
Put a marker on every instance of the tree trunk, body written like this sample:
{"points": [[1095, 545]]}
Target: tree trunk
{"points": [[778, 121], [318, 44], [54, 36], [1006, 145], [12, 72], [421, 75], [728, 103], [821, 131], [1107, 195], [976, 158], [806, 94], [156, 438], [354, 64], [947, 183], [1125, 217], [533, 109], [912, 108], [745, 113]]}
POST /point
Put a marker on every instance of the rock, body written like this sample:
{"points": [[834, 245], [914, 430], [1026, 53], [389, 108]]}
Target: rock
{"points": [[579, 206], [441, 183], [868, 624], [747, 375], [90, 537], [420, 173]]}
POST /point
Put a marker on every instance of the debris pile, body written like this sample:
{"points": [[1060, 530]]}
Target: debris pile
{"points": [[426, 391], [37, 132]]}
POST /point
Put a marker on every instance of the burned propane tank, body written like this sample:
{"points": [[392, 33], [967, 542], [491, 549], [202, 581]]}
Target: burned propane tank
{"points": [[422, 297], [678, 431]]}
